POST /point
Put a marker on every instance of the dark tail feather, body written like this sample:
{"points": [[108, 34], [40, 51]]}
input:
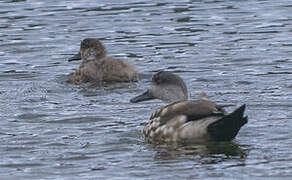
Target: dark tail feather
{"points": [[226, 128]]}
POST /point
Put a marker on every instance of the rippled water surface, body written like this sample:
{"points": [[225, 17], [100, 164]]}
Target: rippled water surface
{"points": [[236, 51]]}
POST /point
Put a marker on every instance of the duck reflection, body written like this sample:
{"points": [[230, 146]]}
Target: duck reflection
{"points": [[209, 152]]}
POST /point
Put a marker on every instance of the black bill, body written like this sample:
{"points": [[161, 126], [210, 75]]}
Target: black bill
{"points": [[76, 57], [143, 97]]}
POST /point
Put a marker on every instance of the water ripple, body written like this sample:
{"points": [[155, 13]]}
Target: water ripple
{"points": [[236, 51]]}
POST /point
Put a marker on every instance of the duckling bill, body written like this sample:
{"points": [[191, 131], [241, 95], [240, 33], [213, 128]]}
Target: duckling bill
{"points": [[96, 66], [76, 57], [187, 121]]}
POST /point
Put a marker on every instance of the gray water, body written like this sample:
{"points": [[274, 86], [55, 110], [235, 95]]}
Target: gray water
{"points": [[236, 51]]}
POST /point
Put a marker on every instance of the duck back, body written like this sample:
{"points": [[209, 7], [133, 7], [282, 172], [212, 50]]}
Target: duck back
{"points": [[118, 71]]}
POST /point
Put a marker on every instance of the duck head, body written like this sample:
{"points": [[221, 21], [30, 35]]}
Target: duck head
{"points": [[165, 86], [91, 49]]}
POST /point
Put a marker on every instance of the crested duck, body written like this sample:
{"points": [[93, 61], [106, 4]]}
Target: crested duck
{"points": [[183, 120]]}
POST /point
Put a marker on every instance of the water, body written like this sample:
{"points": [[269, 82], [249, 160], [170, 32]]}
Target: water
{"points": [[236, 51]]}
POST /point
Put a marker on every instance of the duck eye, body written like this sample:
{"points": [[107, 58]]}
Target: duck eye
{"points": [[157, 80]]}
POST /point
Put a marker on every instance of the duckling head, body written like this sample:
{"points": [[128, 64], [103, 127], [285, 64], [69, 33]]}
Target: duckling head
{"points": [[165, 86], [91, 49]]}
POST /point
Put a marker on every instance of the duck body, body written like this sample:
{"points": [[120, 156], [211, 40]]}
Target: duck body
{"points": [[96, 66], [110, 70], [193, 121], [187, 121]]}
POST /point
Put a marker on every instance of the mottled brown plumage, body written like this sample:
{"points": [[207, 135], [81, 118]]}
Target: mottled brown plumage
{"points": [[187, 121]]}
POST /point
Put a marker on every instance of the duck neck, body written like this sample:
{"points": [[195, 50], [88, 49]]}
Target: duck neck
{"points": [[174, 97], [172, 100]]}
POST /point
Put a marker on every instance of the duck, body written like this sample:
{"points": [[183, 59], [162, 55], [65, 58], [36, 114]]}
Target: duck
{"points": [[187, 121], [97, 66]]}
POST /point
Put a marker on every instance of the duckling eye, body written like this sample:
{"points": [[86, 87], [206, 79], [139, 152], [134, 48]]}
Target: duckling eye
{"points": [[156, 79], [84, 45]]}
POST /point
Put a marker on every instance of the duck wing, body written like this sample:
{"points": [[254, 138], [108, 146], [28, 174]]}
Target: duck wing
{"points": [[192, 121], [191, 110]]}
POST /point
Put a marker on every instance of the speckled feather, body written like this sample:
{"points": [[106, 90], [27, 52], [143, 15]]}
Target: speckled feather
{"points": [[171, 122]]}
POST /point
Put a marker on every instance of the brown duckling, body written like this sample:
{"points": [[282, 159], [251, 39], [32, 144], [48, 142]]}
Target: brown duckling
{"points": [[96, 66]]}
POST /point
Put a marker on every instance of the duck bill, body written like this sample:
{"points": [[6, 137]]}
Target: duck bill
{"points": [[76, 57], [143, 97]]}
